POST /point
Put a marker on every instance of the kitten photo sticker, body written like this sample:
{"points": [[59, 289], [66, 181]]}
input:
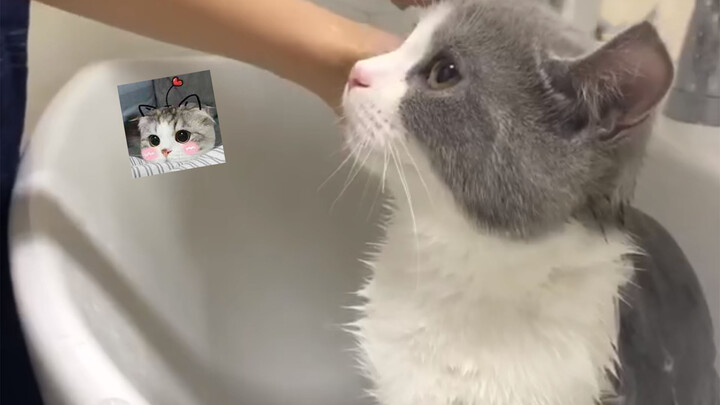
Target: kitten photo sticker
{"points": [[171, 124]]}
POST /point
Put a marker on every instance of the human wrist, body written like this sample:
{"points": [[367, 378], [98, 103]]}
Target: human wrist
{"points": [[357, 41]]}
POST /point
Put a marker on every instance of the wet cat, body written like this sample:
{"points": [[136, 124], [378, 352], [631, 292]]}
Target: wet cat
{"points": [[513, 270]]}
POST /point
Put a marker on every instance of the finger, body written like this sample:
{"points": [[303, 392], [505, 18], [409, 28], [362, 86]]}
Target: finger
{"points": [[387, 43]]}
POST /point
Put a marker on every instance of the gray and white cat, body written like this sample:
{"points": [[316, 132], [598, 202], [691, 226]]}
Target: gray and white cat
{"points": [[513, 271], [176, 133]]}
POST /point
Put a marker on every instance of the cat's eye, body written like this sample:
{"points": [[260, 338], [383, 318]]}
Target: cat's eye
{"points": [[182, 136], [154, 140], [443, 74]]}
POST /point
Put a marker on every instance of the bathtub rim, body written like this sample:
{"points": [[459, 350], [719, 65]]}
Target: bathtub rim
{"points": [[60, 342]]}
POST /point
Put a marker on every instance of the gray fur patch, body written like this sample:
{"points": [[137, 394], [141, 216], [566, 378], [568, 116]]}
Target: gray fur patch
{"points": [[517, 140]]}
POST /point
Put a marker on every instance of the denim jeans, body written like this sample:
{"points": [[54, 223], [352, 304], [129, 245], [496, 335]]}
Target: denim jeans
{"points": [[18, 382]]}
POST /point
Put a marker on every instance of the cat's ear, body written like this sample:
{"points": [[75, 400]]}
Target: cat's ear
{"points": [[189, 101], [618, 85], [144, 109], [210, 110]]}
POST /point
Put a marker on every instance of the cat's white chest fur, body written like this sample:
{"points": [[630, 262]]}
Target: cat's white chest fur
{"points": [[474, 319]]}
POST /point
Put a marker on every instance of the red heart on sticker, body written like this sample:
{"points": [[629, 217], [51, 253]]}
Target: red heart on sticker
{"points": [[177, 81]]}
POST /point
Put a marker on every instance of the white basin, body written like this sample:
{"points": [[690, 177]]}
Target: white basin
{"points": [[228, 284], [221, 285]]}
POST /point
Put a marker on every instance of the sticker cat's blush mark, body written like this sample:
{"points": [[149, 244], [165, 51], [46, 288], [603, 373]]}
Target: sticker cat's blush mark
{"points": [[191, 148], [149, 153]]}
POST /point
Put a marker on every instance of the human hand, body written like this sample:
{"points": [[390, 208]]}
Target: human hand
{"points": [[362, 41]]}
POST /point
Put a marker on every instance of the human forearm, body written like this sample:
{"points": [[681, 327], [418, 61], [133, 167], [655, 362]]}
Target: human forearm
{"points": [[294, 39]]}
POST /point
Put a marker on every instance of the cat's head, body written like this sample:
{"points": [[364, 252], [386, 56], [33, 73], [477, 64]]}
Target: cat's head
{"points": [[176, 133], [510, 113]]}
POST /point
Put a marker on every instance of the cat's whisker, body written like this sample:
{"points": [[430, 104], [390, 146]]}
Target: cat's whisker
{"points": [[385, 166], [417, 170], [339, 107], [367, 155], [356, 152], [343, 163], [403, 181], [337, 152]]}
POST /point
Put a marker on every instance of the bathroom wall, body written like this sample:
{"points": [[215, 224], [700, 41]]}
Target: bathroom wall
{"points": [[672, 17]]}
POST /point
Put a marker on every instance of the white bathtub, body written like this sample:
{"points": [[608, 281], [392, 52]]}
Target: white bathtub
{"points": [[219, 285], [228, 284]]}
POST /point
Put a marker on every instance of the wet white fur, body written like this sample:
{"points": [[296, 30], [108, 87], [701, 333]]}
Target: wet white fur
{"points": [[456, 316]]}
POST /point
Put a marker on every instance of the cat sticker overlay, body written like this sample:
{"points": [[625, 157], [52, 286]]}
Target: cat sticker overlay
{"points": [[171, 124]]}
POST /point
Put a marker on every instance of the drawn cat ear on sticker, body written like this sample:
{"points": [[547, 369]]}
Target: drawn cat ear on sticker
{"points": [[188, 101], [210, 110], [145, 109], [617, 86]]}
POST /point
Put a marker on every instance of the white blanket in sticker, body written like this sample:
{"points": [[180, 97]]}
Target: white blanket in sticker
{"points": [[141, 168]]}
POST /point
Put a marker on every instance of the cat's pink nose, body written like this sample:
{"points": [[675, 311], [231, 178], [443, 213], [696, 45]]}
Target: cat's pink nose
{"points": [[358, 78]]}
